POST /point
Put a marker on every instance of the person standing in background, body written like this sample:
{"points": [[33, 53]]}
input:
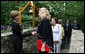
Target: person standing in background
{"points": [[60, 20], [68, 31], [76, 25]]}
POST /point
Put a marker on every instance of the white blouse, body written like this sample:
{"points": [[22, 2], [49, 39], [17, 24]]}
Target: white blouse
{"points": [[57, 32]]}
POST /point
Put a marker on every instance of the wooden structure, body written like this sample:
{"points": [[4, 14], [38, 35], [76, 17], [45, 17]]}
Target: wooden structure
{"points": [[21, 9]]}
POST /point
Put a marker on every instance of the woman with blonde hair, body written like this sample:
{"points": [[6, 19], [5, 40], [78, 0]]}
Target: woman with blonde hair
{"points": [[60, 22], [45, 38]]}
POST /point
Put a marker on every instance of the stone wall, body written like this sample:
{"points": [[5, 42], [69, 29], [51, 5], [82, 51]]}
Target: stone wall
{"points": [[29, 43], [77, 42]]}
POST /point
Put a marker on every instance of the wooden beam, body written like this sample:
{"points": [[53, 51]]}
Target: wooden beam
{"points": [[21, 9], [25, 6]]}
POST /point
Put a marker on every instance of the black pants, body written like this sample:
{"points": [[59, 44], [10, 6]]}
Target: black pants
{"points": [[43, 52], [67, 38], [17, 44]]}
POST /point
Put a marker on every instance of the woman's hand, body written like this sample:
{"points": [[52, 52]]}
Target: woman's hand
{"points": [[56, 41], [34, 33]]}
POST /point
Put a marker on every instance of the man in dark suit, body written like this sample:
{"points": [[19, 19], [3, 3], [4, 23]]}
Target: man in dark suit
{"points": [[17, 32], [68, 31], [76, 25]]}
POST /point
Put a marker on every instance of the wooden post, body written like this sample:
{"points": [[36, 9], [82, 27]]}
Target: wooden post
{"points": [[39, 19], [20, 18], [21, 9], [33, 16], [20, 15]]}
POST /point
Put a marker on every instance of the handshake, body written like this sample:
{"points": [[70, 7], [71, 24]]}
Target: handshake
{"points": [[34, 33]]}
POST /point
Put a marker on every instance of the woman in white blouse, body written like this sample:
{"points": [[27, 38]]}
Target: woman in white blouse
{"points": [[57, 35]]}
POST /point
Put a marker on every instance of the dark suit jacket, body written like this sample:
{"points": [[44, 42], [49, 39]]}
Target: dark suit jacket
{"points": [[16, 30], [68, 32], [45, 31], [77, 26]]}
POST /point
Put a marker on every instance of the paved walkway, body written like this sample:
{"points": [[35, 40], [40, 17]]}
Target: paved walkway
{"points": [[77, 42]]}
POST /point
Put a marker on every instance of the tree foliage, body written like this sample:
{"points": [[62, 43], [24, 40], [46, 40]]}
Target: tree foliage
{"points": [[61, 9]]}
